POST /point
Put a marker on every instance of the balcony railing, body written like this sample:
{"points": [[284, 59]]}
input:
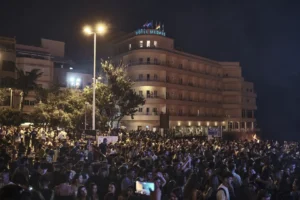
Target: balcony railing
{"points": [[168, 64], [149, 79], [195, 115], [193, 100]]}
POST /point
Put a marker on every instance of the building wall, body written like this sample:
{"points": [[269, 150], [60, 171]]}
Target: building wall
{"points": [[7, 58], [195, 91]]}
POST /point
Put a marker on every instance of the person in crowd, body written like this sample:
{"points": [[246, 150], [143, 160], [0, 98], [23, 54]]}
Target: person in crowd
{"points": [[180, 168], [93, 192], [225, 187], [103, 146], [81, 193]]}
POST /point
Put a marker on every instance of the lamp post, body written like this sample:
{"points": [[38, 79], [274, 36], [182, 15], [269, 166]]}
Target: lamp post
{"points": [[11, 98], [86, 104], [100, 29]]}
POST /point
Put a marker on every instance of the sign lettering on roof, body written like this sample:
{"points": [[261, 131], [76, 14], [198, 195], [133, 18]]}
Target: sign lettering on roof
{"points": [[150, 32]]}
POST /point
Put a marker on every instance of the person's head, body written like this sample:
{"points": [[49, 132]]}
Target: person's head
{"points": [[130, 191], [227, 178], [45, 181], [149, 175], [176, 194], [112, 188], [296, 184], [105, 140], [78, 178], [81, 192], [131, 173], [93, 188]]}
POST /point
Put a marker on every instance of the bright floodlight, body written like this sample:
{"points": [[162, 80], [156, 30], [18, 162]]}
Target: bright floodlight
{"points": [[78, 80], [72, 79], [87, 30], [101, 28]]}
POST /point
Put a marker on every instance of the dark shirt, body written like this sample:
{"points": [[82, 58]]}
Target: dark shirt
{"points": [[103, 148], [33, 134]]}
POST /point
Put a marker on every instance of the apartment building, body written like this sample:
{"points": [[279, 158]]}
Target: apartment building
{"points": [[197, 93]]}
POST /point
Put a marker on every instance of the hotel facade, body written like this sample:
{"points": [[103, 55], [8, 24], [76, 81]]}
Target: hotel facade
{"points": [[197, 93]]}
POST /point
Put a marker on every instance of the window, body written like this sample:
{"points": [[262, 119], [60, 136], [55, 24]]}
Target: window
{"points": [[148, 93], [155, 61], [180, 81], [141, 44], [180, 96], [148, 60], [147, 110], [148, 43], [140, 76], [148, 77], [155, 93], [141, 93], [26, 102], [180, 112], [129, 46], [155, 43], [154, 110], [140, 109], [180, 66], [8, 66], [155, 77], [141, 60]]}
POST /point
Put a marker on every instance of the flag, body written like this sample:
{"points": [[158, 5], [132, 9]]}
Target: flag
{"points": [[148, 24], [157, 27], [145, 25]]}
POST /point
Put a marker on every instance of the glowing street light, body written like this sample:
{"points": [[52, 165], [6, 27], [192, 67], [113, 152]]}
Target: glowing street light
{"points": [[101, 30]]}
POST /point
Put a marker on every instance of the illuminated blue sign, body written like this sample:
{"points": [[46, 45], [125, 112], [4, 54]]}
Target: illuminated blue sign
{"points": [[150, 32]]}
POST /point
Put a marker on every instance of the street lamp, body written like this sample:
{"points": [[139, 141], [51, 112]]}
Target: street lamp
{"points": [[99, 29], [11, 97]]}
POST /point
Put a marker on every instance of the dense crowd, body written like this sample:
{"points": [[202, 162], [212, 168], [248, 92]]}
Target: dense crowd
{"points": [[39, 163]]}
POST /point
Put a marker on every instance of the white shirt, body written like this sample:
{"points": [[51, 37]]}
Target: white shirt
{"points": [[221, 195]]}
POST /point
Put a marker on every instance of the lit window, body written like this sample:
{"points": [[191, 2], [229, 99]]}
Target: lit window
{"points": [[148, 43], [141, 44], [155, 43], [140, 109], [129, 46]]}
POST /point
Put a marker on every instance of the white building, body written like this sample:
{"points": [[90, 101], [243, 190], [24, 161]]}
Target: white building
{"points": [[196, 92]]}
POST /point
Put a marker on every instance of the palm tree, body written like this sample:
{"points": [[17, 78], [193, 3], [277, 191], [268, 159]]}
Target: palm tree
{"points": [[26, 81]]}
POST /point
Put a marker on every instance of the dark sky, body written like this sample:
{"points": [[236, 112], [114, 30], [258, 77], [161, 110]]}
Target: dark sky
{"points": [[264, 35]]}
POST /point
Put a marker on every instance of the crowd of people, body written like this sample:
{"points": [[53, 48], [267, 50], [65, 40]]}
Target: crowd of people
{"points": [[43, 164]]}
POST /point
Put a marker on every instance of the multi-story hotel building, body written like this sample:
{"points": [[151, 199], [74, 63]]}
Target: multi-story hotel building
{"points": [[29, 58], [196, 92]]}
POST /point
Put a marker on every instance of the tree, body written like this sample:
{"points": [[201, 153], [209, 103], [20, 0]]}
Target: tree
{"points": [[10, 117], [64, 108], [3, 95], [26, 81], [116, 99]]}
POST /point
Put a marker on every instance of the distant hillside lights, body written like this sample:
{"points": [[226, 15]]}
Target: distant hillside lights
{"points": [[150, 32]]}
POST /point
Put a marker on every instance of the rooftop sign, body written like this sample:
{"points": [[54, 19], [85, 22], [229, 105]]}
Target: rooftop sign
{"points": [[150, 32]]}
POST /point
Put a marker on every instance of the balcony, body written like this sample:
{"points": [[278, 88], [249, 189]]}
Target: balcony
{"points": [[173, 66]]}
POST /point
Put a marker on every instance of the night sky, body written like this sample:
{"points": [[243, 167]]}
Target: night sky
{"points": [[263, 35]]}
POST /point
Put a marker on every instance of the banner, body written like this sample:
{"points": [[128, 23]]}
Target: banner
{"points": [[110, 139], [214, 131]]}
